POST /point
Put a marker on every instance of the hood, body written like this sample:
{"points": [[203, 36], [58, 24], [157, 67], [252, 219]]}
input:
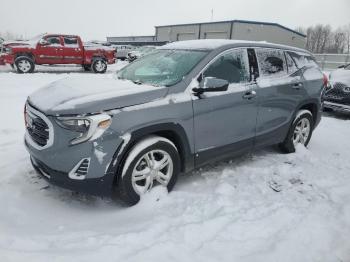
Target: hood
{"points": [[92, 94], [341, 76], [17, 43]]}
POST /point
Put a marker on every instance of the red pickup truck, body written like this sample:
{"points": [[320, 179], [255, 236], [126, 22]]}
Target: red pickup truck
{"points": [[49, 49]]}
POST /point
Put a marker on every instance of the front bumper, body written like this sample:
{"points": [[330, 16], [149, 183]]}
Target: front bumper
{"points": [[6, 59], [102, 186], [337, 107]]}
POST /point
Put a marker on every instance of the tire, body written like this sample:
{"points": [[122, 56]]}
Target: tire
{"points": [[303, 118], [141, 172], [87, 67], [24, 65], [99, 66]]}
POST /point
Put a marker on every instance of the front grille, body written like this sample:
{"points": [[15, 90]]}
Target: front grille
{"points": [[37, 128], [339, 92]]}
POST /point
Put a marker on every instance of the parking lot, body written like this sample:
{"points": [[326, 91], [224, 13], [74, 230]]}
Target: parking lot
{"points": [[284, 207]]}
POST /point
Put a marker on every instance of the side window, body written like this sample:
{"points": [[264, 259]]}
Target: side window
{"points": [[53, 40], [232, 66], [292, 68], [70, 41], [302, 59], [271, 62]]}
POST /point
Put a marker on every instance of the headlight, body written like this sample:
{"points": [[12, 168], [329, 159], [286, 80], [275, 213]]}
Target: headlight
{"points": [[7, 50], [89, 127]]}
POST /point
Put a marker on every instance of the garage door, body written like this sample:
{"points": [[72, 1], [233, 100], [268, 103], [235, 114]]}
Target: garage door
{"points": [[216, 35], [186, 36]]}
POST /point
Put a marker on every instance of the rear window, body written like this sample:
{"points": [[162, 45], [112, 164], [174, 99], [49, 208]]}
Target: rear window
{"points": [[271, 62], [303, 59]]}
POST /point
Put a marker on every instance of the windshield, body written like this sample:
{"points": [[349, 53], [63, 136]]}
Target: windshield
{"points": [[37, 37], [162, 67]]}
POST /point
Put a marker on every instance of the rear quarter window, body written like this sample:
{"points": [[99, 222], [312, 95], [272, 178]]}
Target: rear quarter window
{"points": [[303, 59]]}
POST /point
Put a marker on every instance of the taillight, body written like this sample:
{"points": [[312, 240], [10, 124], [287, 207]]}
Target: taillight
{"points": [[325, 80]]}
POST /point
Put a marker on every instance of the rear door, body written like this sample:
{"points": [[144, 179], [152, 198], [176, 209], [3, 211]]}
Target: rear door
{"points": [[52, 52], [72, 51], [280, 91], [224, 122]]}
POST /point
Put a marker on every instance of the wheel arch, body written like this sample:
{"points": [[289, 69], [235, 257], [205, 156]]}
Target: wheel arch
{"points": [[174, 132], [313, 107], [25, 54]]}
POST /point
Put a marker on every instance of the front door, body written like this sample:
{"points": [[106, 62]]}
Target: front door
{"points": [[224, 122]]}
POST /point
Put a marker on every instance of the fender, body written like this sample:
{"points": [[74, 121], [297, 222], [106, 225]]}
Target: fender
{"points": [[171, 131], [313, 105]]}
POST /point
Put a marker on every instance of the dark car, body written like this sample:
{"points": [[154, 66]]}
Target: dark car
{"points": [[337, 95], [182, 106]]}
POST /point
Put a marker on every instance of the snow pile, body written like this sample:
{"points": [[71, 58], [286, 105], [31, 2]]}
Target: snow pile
{"points": [[262, 207]]}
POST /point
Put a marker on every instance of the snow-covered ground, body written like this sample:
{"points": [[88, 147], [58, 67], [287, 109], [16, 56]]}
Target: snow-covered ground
{"points": [[262, 207]]}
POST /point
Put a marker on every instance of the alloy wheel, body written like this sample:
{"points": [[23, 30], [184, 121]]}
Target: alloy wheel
{"points": [[154, 167], [301, 131]]}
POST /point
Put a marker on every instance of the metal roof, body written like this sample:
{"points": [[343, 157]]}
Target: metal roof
{"points": [[211, 44], [239, 21]]}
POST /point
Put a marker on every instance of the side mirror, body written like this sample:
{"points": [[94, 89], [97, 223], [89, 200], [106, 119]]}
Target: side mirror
{"points": [[211, 84], [43, 42]]}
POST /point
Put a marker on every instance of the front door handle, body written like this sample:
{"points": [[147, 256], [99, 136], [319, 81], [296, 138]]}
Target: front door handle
{"points": [[249, 95], [297, 85]]}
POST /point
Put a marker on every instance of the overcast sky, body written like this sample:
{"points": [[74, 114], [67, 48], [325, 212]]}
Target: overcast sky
{"points": [[96, 19]]}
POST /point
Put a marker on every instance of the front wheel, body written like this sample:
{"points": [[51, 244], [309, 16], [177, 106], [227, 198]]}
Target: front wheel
{"points": [[99, 66], [299, 133], [152, 162], [24, 65]]}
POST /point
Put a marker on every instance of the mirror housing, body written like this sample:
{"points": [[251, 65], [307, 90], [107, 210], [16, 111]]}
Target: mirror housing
{"points": [[43, 42], [211, 84]]}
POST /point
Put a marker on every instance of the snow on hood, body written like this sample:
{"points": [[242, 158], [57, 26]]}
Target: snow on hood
{"points": [[91, 94], [340, 75], [19, 43]]}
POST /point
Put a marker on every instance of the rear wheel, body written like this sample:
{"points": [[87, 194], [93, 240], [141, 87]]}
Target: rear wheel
{"points": [[99, 66], [24, 65], [152, 162], [299, 133]]}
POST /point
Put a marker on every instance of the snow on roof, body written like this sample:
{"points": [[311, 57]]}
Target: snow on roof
{"points": [[210, 44], [202, 44]]}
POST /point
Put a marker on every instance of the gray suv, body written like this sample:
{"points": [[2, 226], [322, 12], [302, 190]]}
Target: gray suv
{"points": [[180, 107]]}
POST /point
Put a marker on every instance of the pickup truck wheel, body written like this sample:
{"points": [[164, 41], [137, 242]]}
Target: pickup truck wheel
{"points": [[152, 162], [99, 66], [299, 133], [24, 65]]}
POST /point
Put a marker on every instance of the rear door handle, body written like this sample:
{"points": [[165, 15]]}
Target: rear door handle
{"points": [[297, 85], [249, 95]]}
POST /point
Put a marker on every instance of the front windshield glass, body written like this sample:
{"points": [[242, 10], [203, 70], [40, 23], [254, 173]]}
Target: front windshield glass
{"points": [[37, 37], [162, 67]]}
